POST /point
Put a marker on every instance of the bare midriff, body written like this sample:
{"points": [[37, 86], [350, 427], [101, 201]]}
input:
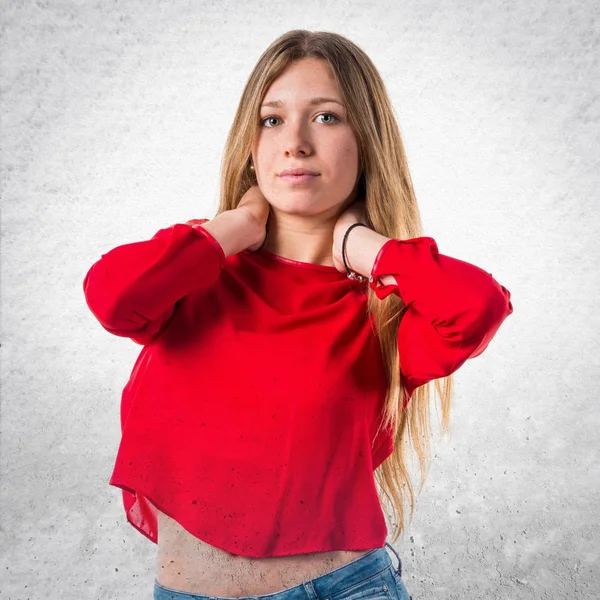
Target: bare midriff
{"points": [[188, 564]]}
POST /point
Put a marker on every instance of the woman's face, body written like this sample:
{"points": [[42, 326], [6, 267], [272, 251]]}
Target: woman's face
{"points": [[299, 134]]}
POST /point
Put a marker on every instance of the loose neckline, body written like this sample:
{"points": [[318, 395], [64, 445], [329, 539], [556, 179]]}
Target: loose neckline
{"points": [[291, 262]]}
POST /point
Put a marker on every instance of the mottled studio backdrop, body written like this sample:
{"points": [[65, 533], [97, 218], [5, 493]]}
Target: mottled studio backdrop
{"points": [[114, 117]]}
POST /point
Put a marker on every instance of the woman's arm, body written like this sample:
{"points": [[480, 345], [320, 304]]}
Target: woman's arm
{"points": [[454, 307], [133, 289]]}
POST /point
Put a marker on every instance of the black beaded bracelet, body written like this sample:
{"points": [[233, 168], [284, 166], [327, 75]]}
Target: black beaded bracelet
{"points": [[351, 274]]}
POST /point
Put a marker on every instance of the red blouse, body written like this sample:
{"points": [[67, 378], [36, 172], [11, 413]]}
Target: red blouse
{"points": [[250, 413]]}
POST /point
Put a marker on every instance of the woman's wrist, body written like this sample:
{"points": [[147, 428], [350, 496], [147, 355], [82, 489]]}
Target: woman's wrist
{"points": [[232, 229], [362, 247]]}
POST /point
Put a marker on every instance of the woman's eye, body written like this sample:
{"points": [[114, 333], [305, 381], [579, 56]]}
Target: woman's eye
{"points": [[328, 115], [321, 115], [266, 119]]}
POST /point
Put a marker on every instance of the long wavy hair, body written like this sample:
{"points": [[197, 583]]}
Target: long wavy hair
{"points": [[391, 207]]}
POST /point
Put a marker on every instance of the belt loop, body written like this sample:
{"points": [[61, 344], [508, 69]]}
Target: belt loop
{"points": [[398, 557]]}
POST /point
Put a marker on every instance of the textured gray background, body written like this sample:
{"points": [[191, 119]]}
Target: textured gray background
{"points": [[114, 116]]}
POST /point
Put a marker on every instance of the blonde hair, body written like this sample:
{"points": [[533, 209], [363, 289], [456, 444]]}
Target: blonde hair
{"points": [[391, 208]]}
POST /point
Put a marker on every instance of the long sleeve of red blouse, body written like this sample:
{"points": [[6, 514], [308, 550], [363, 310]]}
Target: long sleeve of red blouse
{"points": [[134, 288], [454, 308]]}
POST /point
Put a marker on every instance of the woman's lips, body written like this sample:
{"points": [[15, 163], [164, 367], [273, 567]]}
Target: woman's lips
{"points": [[298, 178]]}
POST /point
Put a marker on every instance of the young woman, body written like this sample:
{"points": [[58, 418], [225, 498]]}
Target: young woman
{"points": [[288, 344]]}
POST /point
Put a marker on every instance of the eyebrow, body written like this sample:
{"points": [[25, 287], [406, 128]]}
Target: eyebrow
{"points": [[312, 102]]}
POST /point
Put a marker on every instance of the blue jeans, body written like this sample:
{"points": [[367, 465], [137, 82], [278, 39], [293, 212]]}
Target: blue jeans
{"points": [[370, 577]]}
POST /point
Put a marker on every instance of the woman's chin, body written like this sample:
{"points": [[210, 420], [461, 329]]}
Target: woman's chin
{"points": [[301, 206], [296, 208]]}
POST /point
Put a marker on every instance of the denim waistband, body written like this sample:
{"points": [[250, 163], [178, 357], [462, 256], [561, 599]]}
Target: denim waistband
{"points": [[399, 569]]}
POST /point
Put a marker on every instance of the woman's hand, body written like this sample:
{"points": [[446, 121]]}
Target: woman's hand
{"points": [[257, 209], [355, 213]]}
